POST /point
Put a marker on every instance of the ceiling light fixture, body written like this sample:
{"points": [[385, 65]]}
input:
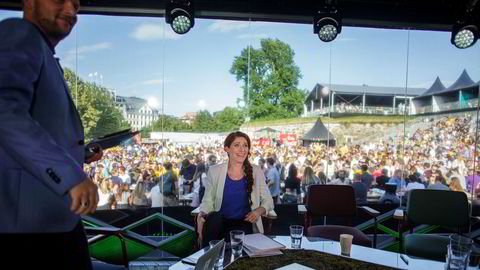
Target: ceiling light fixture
{"points": [[327, 24], [180, 15], [464, 35]]}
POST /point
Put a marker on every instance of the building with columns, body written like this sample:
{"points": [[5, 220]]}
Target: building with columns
{"points": [[363, 99], [136, 111], [359, 99]]}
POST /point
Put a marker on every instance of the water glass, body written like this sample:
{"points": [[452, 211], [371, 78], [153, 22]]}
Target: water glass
{"points": [[458, 252], [219, 260], [236, 242], [296, 233]]}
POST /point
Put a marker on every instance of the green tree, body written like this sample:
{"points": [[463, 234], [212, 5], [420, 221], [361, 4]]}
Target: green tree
{"points": [[229, 119], [170, 123], [274, 77], [95, 106], [204, 122]]}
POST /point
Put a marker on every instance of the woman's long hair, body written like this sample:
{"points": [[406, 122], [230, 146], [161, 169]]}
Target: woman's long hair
{"points": [[309, 176], [247, 167], [292, 172]]}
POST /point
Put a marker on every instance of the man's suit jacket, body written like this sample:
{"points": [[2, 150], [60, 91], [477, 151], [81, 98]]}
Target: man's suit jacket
{"points": [[215, 184], [41, 135]]}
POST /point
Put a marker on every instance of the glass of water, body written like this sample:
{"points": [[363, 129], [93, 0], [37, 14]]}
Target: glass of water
{"points": [[219, 261], [296, 233], [236, 242], [458, 252]]}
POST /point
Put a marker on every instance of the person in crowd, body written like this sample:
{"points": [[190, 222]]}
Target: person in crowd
{"points": [[292, 186], [360, 189], [187, 172], [439, 184], [273, 179], [341, 179], [367, 178], [138, 198], [382, 179], [236, 194], [199, 186], [309, 178], [212, 160], [415, 183], [261, 163], [44, 187], [155, 195], [455, 184], [322, 178], [124, 176], [397, 179], [390, 195], [104, 194], [121, 196]]}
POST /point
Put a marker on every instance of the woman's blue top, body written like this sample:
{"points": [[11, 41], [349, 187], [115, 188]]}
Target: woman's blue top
{"points": [[235, 199]]}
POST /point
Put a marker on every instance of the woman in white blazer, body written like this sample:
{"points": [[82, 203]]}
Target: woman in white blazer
{"points": [[235, 192]]}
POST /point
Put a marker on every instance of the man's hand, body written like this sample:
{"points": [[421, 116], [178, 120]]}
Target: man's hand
{"points": [[200, 221], [84, 197], [253, 216], [97, 153]]}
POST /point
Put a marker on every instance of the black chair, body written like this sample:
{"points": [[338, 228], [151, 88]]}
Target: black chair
{"points": [[336, 201], [434, 207]]}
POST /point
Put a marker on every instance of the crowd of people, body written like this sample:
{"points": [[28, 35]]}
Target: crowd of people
{"points": [[438, 155]]}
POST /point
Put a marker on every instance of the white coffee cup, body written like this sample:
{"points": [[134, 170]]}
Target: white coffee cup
{"points": [[346, 244]]}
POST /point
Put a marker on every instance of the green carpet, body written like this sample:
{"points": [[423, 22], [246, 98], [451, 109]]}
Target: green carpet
{"points": [[309, 258]]}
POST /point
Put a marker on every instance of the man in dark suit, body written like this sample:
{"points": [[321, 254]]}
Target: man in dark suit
{"points": [[43, 188]]}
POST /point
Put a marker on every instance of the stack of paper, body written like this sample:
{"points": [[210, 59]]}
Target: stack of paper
{"points": [[259, 245]]}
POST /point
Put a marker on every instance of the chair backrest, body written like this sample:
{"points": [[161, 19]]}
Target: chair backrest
{"points": [[331, 200], [438, 207]]}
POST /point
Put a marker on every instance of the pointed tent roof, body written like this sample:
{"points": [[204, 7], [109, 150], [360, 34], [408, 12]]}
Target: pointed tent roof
{"points": [[463, 81], [437, 86], [318, 133], [268, 129]]}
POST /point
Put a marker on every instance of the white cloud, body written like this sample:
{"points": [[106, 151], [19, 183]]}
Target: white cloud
{"points": [[80, 52], [227, 26], [150, 31], [252, 36], [93, 48]]}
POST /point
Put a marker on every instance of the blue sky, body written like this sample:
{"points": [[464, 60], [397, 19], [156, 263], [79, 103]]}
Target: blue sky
{"points": [[142, 56]]}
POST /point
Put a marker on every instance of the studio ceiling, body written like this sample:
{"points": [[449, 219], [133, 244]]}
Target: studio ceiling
{"points": [[398, 14]]}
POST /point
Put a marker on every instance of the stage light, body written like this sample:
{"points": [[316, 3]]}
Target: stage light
{"points": [[180, 15], [327, 26], [464, 35]]}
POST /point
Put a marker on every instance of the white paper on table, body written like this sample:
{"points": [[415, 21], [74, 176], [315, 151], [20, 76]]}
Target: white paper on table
{"points": [[294, 266], [259, 244], [252, 252]]}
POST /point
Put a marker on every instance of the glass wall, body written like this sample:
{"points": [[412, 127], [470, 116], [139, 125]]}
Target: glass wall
{"points": [[365, 108]]}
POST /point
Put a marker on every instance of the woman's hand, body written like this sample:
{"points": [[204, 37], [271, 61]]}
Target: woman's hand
{"points": [[200, 221], [253, 216]]}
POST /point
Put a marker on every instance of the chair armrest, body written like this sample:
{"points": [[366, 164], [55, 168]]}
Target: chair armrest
{"points": [[271, 215], [195, 211], [372, 212], [399, 214], [302, 209]]}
